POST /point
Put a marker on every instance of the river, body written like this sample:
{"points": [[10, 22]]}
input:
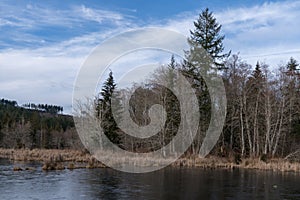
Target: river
{"points": [[168, 183]]}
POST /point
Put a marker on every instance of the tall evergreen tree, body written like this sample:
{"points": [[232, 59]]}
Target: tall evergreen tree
{"points": [[104, 109], [206, 47], [255, 109], [292, 65], [207, 35], [172, 105], [293, 95]]}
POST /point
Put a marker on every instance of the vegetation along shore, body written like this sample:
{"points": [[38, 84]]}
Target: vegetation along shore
{"points": [[261, 129], [53, 159]]}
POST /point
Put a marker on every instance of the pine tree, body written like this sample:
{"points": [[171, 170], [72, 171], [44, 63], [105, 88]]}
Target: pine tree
{"points": [[255, 88], [104, 109], [207, 36], [293, 95], [206, 47], [292, 65], [172, 104]]}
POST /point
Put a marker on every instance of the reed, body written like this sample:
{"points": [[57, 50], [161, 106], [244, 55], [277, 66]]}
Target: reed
{"points": [[45, 155], [54, 159]]}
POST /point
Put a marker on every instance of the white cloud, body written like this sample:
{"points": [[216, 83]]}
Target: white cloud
{"points": [[27, 77], [99, 15], [268, 32], [37, 25], [47, 74], [34, 16]]}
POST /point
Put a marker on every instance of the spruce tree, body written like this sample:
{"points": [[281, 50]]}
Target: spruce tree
{"points": [[293, 95], [172, 104], [207, 35], [206, 48], [104, 109], [292, 65]]}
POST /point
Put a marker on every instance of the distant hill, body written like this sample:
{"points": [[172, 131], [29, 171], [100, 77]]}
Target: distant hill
{"points": [[36, 126]]}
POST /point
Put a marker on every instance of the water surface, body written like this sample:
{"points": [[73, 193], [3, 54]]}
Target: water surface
{"points": [[168, 183]]}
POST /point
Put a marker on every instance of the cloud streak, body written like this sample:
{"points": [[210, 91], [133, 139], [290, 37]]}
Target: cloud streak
{"points": [[268, 32], [35, 25], [34, 16], [42, 48]]}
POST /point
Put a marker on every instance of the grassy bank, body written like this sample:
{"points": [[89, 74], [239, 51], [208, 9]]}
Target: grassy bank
{"points": [[45, 155], [248, 163], [53, 159]]}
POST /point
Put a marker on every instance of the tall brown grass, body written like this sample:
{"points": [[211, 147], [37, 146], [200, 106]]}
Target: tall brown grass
{"points": [[54, 159], [45, 155]]}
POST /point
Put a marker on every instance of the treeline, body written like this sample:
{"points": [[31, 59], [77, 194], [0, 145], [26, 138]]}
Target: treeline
{"points": [[8, 102], [263, 102], [263, 113], [21, 127], [53, 109]]}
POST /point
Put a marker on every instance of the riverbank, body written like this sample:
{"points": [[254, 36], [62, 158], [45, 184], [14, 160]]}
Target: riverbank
{"points": [[247, 163], [54, 159]]}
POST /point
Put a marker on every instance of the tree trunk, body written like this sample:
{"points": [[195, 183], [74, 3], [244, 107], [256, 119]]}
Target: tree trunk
{"points": [[242, 128]]}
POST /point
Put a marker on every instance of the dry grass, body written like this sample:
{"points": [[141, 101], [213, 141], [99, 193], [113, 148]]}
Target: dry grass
{"points": [[206, 163], [249, 163], [45, 155], [273, 164], [53, 166], [72, 159], [52, 159]]}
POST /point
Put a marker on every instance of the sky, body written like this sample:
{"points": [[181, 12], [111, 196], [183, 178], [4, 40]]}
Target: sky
{"points": [[43, 44]]}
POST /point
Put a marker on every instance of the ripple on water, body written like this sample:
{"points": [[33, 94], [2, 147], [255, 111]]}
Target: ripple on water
{"points": [[169, 183]]}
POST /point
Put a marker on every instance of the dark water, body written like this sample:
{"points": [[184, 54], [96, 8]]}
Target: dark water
{"points": [[169, 183]]}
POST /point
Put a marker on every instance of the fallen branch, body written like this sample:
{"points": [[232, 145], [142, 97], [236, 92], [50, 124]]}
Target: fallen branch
{"points": [[292, 154]]}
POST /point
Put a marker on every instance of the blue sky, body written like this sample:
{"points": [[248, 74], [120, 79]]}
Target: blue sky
{"points": [[43, 44]]}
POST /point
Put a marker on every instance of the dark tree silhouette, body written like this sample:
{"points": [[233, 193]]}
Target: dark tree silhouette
{"points": [[104, 109], [207, 35]]}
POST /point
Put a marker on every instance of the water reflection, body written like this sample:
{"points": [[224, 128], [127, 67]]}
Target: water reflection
{"points": [[169, 183]]}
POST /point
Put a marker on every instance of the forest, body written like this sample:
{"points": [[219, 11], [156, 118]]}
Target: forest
{"points": [[263, 101], [263, 106], [41, 127]]}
